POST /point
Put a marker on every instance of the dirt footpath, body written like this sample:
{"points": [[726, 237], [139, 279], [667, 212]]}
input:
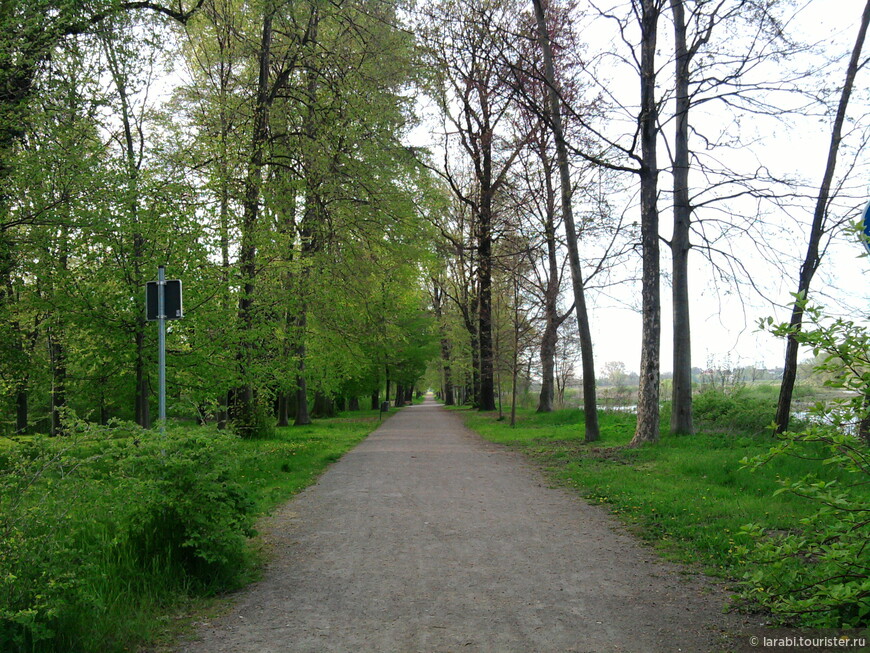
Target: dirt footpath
{"points": [[427, 538]]}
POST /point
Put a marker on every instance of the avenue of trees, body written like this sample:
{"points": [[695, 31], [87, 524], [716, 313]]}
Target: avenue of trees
{"points": [[548, 142], [264, 152]]}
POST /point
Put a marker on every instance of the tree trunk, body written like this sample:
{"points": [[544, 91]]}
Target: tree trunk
{"points": [[864, 422], [223, 415], [287, 229], [309, 230], [242, 412], [143, 409], [387, 390], [548, 365], [813, 256], [201, 414], [22, 383], [7, 294], [353, 405], [57, 349], [302, 417], [400, 396], [648, 391], [484, 315], [104, 409], [21, 410], [514, 376], [446, 376], [57, 359], [550, 337], [681, 407], [323, 406], [515, 362], [141, 400], [283, 409], [376, 399], [475, 360], [555, 118]]}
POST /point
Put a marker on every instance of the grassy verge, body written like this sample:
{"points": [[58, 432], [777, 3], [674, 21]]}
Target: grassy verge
{"points": [[109, 535], [275, 469], [687, 495]]}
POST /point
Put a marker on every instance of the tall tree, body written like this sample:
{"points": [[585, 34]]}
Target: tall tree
{"points": [[538, 177], [813, 257], [30, 33], [132, 143], [468, 49], [272, 76], [555, 120], [712, 62], [648, 13], [438, 305], [457, 248], [242, 409], [214, 103], [681, 398]]}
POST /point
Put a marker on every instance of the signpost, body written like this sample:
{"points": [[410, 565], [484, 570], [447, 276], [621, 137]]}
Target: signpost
{"points": [[162, 302], [865, 226], [171, 298]]}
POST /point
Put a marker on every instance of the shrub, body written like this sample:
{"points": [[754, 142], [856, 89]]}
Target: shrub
{"points": [[192, 510], [819, 572], [254, 420], [96, 522], [738, 411]]}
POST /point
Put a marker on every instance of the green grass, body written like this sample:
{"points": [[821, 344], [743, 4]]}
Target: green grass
{"points": [[688, 495], [275, 469]]}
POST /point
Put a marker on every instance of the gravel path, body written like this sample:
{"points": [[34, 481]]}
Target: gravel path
{"points": [[427, 538]]}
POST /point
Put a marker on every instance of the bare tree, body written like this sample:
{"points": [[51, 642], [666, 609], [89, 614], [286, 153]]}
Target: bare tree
{"points": [[568, 354], [538, 174], [468, 48], [647, 13], [459, 255], [438, 301], [819, 226], [681, 398], [555, 120], [709, 67]]}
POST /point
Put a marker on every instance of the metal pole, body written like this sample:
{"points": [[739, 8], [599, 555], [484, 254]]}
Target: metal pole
{"points": [[161, 346]]}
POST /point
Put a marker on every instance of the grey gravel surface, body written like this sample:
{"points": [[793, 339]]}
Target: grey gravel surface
{"points": [[427, 538]]}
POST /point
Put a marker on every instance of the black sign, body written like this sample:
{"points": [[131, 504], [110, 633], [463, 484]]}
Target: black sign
{"points": [[171, 300]]}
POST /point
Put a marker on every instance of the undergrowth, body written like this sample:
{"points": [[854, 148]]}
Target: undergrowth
{"points": [[106, 531]]}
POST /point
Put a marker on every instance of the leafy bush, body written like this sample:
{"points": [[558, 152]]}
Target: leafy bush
{"points": [[191, 510], [739, 411], [92, 523], [819, 572]]}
